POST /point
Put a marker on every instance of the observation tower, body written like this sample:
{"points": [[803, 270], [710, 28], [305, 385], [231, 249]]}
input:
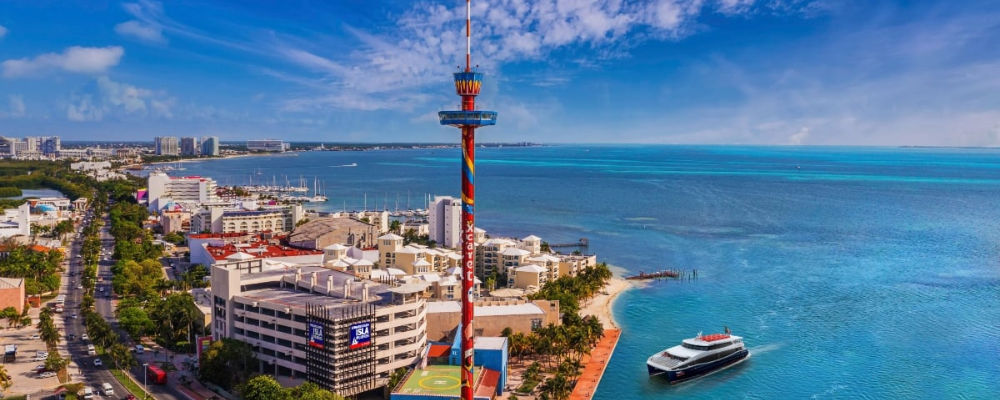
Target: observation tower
{"points": [[467, 85]]}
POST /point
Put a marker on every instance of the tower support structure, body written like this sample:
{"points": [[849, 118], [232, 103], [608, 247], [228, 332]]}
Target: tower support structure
{"points": [[467, 85]]}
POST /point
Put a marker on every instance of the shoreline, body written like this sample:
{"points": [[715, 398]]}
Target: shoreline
{"points": [[602, 305]]}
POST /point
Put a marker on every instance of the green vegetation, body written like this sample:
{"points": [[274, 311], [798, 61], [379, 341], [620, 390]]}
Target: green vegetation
{"points": [[40, 270], [44, 174], [194, 277], [9, 191], [130, 385], [175, 238], [558, 349], [264, 387], [569, 290], [411, 236], [227, 363]]}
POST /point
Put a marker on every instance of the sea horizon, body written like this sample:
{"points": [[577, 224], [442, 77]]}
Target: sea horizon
{"points": [[815, 255]]}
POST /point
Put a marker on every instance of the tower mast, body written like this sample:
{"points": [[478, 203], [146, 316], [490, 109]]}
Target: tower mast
{"points": [[467, 85]]}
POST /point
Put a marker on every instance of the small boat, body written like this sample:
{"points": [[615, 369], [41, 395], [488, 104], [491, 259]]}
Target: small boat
{"points": [[699, 356]]}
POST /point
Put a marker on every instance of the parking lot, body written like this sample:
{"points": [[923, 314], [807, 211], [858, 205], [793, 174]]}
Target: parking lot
{"points": [[22, 371]]}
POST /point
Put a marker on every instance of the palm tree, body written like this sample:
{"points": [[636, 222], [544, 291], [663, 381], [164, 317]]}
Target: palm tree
{"points": [[5, 380], [121, 356]]}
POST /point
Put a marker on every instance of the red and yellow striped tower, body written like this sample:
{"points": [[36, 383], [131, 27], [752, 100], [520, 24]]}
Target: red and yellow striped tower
{"points": [[467, 85]]}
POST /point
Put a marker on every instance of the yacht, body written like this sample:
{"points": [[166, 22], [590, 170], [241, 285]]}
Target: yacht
{"points": [[698, 356]]}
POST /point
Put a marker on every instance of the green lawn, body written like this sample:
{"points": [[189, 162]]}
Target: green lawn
{"points": [[131, 386]]}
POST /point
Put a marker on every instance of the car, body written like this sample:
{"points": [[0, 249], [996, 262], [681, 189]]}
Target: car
{"points": [[130, 397], [139, 349], [79, 287], [98, 362], [73, 315], [47, 374], [84, 337], [71, 336], [34, 337], [40, 368], [107, 390]]}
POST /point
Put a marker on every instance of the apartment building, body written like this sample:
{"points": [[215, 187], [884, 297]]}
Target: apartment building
{"points": [[189, 146], [210, 146], [319, 325], [444, 221], [163, 189], [166, 145], [274, 145]]}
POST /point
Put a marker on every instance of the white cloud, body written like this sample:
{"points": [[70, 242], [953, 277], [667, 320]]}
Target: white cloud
{"points": [[141, 31], [3, 31], [107, 98], [798, 138], [83, 60]]}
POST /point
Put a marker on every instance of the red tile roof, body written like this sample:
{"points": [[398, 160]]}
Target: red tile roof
{"points": [[259, 247]]}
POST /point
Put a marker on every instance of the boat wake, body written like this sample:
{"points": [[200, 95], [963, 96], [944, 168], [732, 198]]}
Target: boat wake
{"points": [[353, 164], [764, 348]]}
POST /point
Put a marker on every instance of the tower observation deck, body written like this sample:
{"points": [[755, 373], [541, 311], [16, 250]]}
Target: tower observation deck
{"points": [[467, 86]]}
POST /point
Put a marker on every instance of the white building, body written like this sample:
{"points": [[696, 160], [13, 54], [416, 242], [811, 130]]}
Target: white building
{"points": [[167, 146], [267, 145], [445, 221], [309, 323], [16, 221], [210, 146], [162, 189]]}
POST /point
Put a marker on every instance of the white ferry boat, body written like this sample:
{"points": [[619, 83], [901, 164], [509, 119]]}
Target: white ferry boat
{"points": [[698, 356]]}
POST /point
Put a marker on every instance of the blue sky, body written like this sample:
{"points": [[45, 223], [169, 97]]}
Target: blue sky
{"points": [[660, 71]]}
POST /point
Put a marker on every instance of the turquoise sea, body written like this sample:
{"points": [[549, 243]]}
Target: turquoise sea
{"points": [[851, 272]]}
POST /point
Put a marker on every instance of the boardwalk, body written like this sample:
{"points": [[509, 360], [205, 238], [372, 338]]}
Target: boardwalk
{"points": [[594, 366]]}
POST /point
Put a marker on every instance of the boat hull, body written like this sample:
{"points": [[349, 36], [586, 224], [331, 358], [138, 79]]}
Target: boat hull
{"points": [[695, 371]]}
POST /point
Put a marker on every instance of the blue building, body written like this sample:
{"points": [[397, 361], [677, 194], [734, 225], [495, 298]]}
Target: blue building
{"points": [[490, 352]]}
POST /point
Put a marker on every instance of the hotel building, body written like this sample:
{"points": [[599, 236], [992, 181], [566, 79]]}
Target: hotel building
{"points": [[162, 189], [444, 218], [267, 145], [189, 146], [319, 325], [166, 146], [210, 146]]}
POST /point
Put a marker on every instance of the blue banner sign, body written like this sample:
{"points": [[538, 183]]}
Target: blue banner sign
{"points": [[361, 335], [316, 335]]}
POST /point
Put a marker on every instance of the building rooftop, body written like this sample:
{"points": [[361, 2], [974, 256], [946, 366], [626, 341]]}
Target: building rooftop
{"points": [[485, 311], [258, 247], [10, 283], [531, 268], [491, 343]]}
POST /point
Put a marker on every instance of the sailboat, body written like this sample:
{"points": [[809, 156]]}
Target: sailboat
{"points": [[317, 198]]}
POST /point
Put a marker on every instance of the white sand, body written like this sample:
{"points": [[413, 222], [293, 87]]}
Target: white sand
{"points": [[602, 304]]}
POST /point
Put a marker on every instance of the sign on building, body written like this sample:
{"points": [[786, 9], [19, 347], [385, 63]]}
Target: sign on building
{"points": [[203, 343], [361, 335], [316, 335]]}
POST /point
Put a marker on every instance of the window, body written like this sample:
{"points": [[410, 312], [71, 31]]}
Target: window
{"points": [[267, 311], [536, 323]]}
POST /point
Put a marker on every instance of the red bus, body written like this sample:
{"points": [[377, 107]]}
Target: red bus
{"points": [[156, 375]]}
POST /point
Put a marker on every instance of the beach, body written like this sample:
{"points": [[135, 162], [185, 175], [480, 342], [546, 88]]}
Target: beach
{"points": [[602, 304]]}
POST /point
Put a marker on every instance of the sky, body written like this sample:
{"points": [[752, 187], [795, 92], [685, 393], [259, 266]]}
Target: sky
{"points": [[767, 72]]}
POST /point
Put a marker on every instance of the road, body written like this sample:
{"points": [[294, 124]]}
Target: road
{"points": [[94, 376]]}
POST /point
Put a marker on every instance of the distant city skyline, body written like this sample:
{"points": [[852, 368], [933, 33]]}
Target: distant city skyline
{"points": [[822, 72]]}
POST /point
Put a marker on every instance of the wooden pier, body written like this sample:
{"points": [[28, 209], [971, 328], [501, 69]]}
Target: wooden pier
{"points": [[667, 273]]}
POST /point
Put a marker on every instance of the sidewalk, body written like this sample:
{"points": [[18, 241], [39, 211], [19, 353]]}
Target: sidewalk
{"points": [[595, 364], [194, 389]]}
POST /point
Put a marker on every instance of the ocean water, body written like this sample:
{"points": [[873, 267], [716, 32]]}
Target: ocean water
{"points": [[851, 272]]}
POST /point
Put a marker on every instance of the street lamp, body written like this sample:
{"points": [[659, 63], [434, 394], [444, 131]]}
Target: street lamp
{"points": [[145, 388]]}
